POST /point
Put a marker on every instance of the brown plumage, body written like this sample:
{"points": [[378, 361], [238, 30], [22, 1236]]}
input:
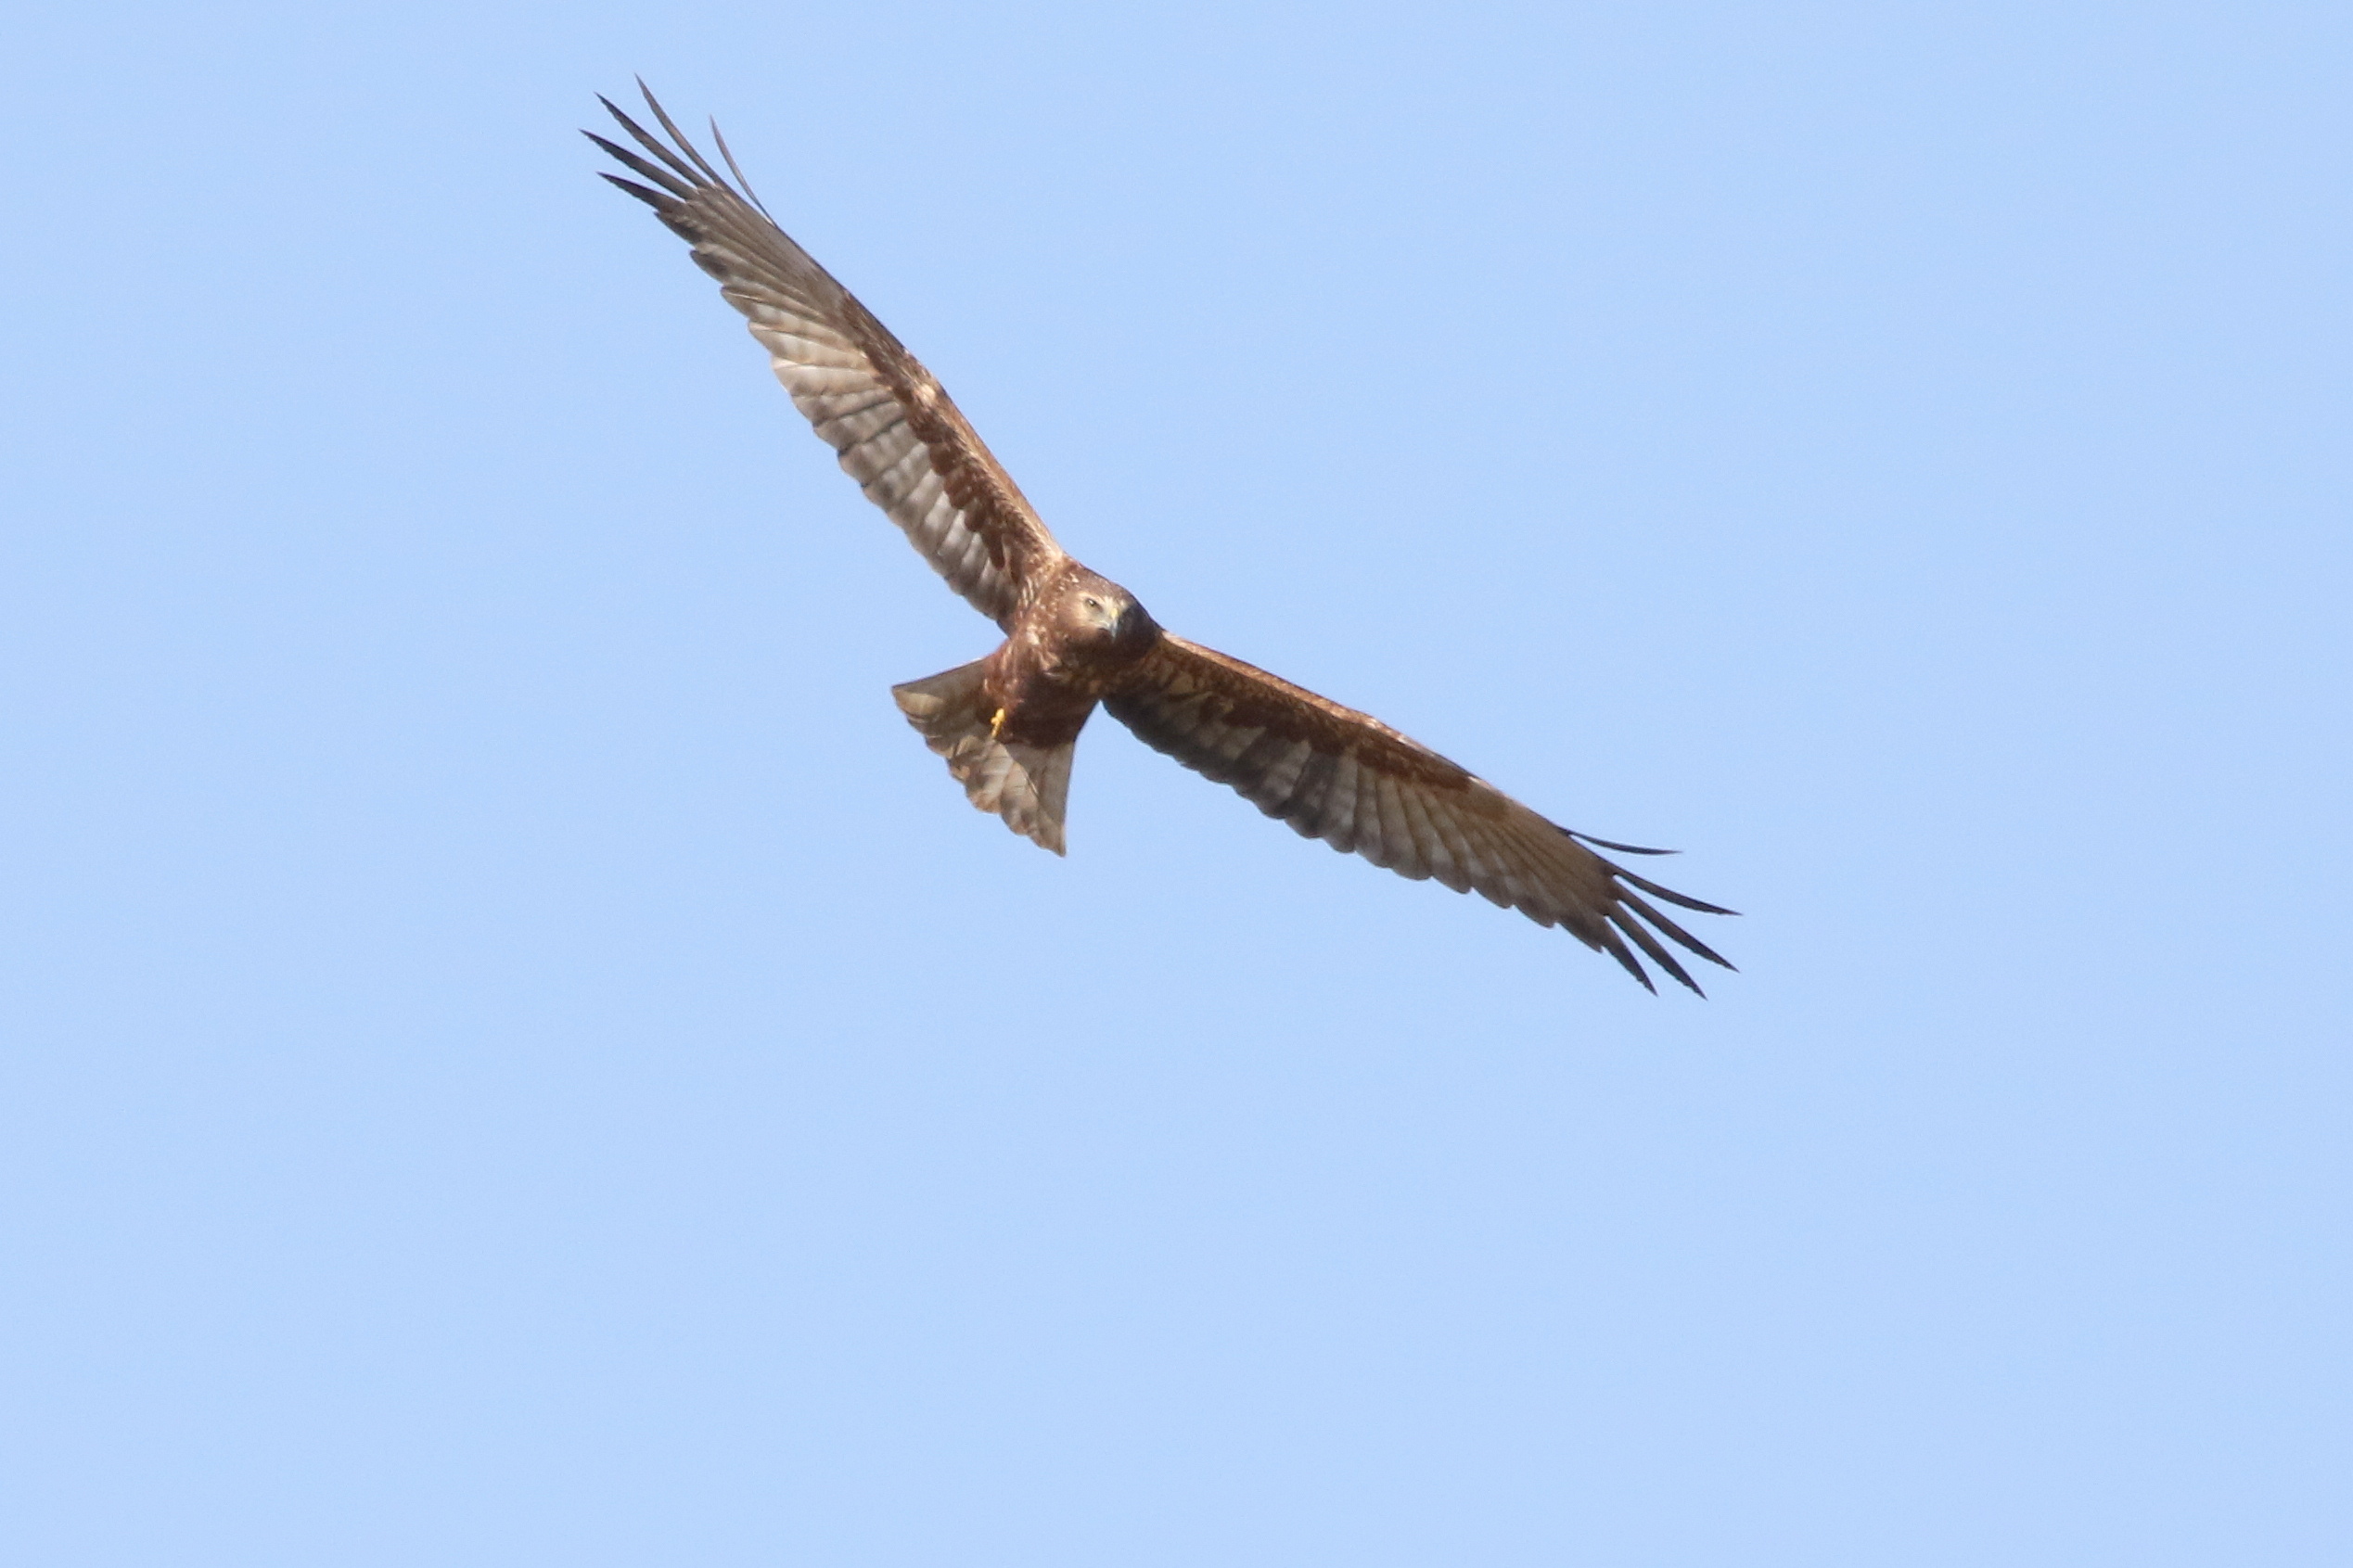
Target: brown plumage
{"points": [[1008, 725]]}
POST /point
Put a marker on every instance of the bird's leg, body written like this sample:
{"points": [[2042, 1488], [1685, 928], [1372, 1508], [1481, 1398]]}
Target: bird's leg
{"points": [[996, 723]]}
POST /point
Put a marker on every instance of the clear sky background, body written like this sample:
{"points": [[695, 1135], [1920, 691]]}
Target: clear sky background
{"points": [[514, 1053]]}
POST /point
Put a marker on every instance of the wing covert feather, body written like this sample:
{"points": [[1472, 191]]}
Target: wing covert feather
{"points": [[895, 430], [1333, 773]]}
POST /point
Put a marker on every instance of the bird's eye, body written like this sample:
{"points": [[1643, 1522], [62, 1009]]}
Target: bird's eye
{"points": [[1093, 603]]}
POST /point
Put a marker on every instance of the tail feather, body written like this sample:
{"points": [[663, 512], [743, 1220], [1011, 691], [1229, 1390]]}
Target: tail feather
{"points": [[1025, 784]]}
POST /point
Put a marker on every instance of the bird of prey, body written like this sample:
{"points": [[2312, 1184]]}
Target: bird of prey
{"points": [[1007, 725]]}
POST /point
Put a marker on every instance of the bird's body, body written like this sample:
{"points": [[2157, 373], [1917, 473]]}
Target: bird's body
{"points": [[1079, 642], [1008, 723]]}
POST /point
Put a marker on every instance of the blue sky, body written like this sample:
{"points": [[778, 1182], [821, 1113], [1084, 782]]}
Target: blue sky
{"points": [[514, 1053]]}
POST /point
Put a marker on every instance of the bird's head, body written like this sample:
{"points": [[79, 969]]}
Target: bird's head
{"points": [[1100, 614]]}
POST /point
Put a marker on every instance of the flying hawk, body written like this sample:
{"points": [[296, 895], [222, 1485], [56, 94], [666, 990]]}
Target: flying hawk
{"points": [[1008, 723]]}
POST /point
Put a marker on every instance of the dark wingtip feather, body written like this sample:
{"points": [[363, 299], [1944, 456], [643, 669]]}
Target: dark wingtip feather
{"points": [[1689, 941], [676, 134], [1621, 848], [1682, 899], [628, 160], [735, 168], [656, 200], [651, 142], [1610, 944], [1658, 954]]}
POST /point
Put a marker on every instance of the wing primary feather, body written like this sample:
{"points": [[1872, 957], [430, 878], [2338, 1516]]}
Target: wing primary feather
{"points": [[735, 168], [1650, 944], [1635, 903], [685, 144], [1621, 848], [1609, 942], [650, 142], [1684, 901], [668, 181], [654, 199]]}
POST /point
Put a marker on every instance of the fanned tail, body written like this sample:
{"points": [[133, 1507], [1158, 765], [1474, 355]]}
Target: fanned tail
{"points": [[1025, 784]]}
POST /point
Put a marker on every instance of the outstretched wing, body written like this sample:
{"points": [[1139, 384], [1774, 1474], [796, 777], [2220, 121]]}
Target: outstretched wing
{"points": [[898, 434], [1345, 777]]}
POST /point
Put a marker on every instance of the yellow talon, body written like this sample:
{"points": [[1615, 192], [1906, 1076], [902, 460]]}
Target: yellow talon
{"points": [[996, 723]]}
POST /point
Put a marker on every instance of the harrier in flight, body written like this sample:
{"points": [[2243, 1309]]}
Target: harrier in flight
{"points": [[1008, 723]]}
